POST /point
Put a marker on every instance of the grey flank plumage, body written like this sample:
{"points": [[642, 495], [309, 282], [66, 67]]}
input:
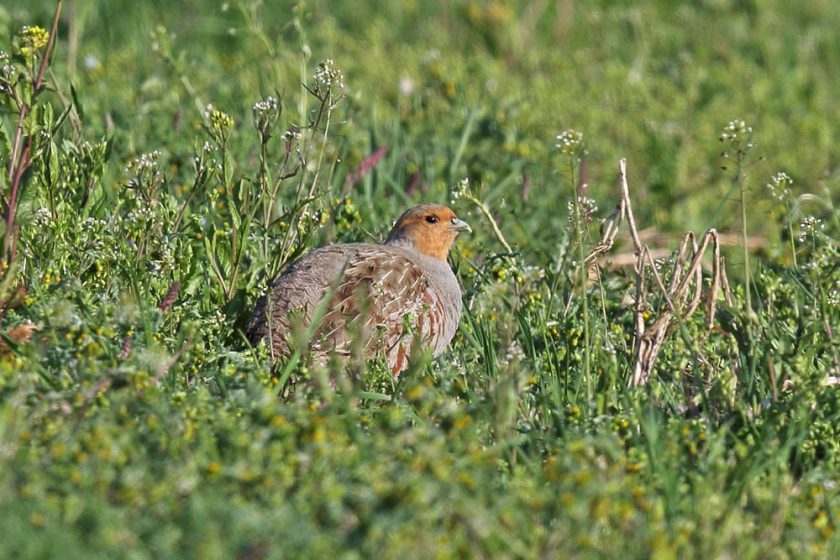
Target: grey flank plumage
{"points": [[390, 299]]}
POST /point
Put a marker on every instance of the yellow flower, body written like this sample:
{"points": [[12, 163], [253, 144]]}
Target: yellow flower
{"points": [[220, 122], [33, 39]]}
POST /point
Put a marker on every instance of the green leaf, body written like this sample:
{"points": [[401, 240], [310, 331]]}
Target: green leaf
{"points": [[61, 118], [77, 103], [53, 163], [234, 215]]}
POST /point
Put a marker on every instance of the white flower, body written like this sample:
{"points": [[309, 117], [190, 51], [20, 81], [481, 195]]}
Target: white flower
{"points": [[586, 206], [462, 190], [735, 132], [265, 105], [144, 162], [328, 78], [570, 142], [779, 185], [809, 226], [291, 135], [42, 216], [514, 353]]}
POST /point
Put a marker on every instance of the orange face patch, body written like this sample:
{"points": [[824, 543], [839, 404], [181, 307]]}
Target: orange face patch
{"points": [[431, 228]]}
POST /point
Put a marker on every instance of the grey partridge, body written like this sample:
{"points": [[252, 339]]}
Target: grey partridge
{"points": [[389, 299]]}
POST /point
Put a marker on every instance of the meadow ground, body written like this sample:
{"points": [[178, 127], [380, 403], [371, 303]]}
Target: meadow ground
{"points": [[177, 155]]}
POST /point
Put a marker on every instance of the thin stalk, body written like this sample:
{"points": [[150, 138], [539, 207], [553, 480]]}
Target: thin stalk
{"points": [[317, 176], [744, 242], [264, 181], [790, 234], [582, 277], [748, 312], [492, 221]]}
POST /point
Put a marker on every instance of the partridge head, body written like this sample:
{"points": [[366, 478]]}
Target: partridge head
{"points": [[428, 228]]}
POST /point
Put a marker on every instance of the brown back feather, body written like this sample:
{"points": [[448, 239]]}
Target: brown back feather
{"points": [[383, 302]]}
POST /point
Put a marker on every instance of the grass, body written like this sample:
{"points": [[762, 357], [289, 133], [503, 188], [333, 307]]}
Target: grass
{"points": [[176, 159]]}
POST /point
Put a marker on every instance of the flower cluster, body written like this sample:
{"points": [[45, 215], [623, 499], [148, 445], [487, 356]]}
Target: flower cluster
{"points": [[165, 263], [205, 162], [779, 185], [809, 227], [328, 79], [33, 39], [143, 216], [292, 135], [266, 112], [265, 106], [219, 123], [311, 220], [7, 73], [586, 208], [737, 135], [513, 355], [462, 190], [145, 175], [43, 217], [834, 297], [345, 215], [570, 142], [94, 232], [144, 163], [291, 139]]}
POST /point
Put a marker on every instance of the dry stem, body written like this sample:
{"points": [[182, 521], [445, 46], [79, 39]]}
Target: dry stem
{"points": [[682, 296]]}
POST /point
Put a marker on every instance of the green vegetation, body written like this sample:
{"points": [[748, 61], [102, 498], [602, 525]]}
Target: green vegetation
{"points": [[176, 157]]}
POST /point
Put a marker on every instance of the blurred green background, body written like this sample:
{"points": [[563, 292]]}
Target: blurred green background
{"points": [[654, 82]]}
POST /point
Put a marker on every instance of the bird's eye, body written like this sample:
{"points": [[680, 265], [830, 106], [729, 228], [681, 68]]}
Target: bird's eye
{"points": [[432, 219]]}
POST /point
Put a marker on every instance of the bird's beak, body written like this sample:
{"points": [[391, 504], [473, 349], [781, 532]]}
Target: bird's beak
{"points": [[460, 225]]}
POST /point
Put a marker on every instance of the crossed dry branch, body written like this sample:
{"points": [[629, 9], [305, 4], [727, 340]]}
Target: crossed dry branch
{"points": [[683, 294]]}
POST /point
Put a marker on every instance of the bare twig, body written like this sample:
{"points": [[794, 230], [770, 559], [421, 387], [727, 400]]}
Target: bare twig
{"points": [[625, 194], [495, 226], [683, 294], [677, 295]]}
